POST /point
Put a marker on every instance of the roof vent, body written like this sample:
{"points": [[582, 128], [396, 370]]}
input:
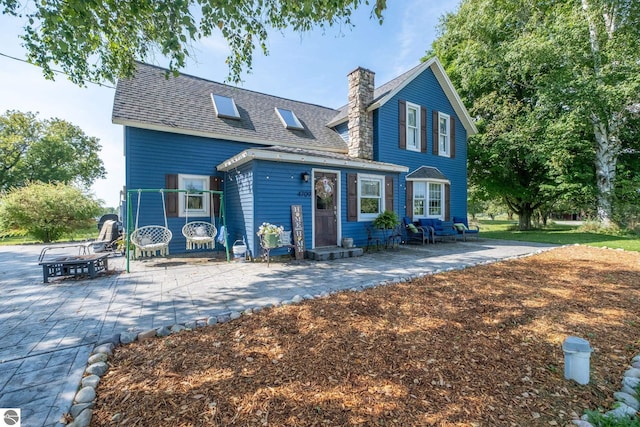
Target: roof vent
{"points": [[289, 119], [225, 107]]}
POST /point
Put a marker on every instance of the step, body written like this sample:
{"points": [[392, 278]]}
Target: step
{"points": [[336, 252]]}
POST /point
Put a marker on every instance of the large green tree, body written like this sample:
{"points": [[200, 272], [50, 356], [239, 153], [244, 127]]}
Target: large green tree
{"points": [[46, 150], [46, 211], [100, 40], [553, 85]]}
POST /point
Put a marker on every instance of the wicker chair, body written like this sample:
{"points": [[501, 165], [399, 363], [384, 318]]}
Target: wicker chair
{"points": [[151, 240], [199, 235]]}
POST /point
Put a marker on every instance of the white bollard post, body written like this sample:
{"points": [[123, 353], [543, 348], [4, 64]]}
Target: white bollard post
{"points": [[577, 353]]}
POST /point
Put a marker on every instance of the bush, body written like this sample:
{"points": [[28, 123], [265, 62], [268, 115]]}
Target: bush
{"points": [[46, 211], [386, 220]]}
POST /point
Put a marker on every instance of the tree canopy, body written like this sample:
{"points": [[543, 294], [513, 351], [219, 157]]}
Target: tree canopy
{"points": [[51, 150], [46, 211], [101, 40], [554, 86]]}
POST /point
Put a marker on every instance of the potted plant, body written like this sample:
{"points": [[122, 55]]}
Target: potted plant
{"points": [[387, 220], [270, 234]]}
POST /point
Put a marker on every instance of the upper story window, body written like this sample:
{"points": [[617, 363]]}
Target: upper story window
{"points": [[289, 119], [370, 196], [194, 202], [444, 135], [428, 198], [413, 127], [225, 107]]}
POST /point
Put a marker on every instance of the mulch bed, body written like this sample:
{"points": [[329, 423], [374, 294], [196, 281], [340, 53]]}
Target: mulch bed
{"points": [[476, 347]]}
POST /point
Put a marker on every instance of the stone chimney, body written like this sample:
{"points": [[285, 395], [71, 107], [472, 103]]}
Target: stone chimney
{"points": [[361, 86]]}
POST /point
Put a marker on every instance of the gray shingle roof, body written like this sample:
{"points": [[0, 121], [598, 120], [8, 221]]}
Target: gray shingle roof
{"points": [[427, 172], [183, 104], [378, 94]]}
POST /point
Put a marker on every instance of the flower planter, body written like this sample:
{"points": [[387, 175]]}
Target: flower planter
{"points": [[271, 240]]}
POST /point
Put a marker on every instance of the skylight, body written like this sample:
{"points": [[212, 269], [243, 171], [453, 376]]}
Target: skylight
{"points": [[225, 107], [289, 119]]}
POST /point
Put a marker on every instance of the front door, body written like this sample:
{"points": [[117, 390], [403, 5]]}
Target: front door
{"points": [[325, 190]]}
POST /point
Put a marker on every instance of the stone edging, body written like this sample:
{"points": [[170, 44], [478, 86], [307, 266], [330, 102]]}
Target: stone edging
{"points": [[81, 410]]}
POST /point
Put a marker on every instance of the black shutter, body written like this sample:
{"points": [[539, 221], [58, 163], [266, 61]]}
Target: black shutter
{"points": [[402, 124], [171, 199], [352, 197], [409, 200], [215, 183], [388, 193], [435, 132], [423, 129], [447, 202], [452, 137]]}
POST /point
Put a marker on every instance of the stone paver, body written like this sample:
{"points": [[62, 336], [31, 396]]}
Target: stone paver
{"points": [[47, 331]]}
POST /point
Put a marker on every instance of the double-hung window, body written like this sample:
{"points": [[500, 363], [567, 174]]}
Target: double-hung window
{"points": [[444, 135], [428, 199], [195, 201], [413, 127], [370, 196]]}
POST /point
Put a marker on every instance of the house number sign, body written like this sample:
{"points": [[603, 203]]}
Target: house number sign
{"points": [[298, 230]]}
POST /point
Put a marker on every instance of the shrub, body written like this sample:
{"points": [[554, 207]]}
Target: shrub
{"points": [[386, 220], [46, 211]]}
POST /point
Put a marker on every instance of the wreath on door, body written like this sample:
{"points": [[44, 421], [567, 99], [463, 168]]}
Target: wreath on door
{"points": [[324, 187]]}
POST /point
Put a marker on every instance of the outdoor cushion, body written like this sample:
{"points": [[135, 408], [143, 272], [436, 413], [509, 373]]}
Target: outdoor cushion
{"points": [[412, 228], [460, 226]]}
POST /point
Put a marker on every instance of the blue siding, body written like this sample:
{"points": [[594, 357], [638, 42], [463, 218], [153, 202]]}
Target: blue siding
{"points": [[424, 90], [343, 130], [357, 229], [150, 155], [277, 187], [240, 209]]}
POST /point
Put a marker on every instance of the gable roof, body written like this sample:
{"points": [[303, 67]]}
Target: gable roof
{"points": [[388, 90], [427, 172], [151, 99]]}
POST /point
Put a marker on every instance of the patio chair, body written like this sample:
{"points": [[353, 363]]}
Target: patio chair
{"points": [[415, 232], [110, 232], [461, 224]]}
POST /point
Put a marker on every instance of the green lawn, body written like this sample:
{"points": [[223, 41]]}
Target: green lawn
{"points": [[558, 234], [78, 235]]}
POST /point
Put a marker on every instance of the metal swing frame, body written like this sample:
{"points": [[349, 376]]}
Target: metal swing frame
{"points": [[130, 223]]}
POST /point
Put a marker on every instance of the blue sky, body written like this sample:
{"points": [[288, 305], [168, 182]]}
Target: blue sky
{"points": [[311, 67]]}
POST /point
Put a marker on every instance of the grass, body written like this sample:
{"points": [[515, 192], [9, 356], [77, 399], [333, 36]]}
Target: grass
{"points": [[558, 234], [78, 235]]}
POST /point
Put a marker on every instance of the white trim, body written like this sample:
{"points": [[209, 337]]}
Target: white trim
{"points": [[370, 177], [426, 200], [446, 85], [418, 139], [442, 181], [447, 152], [251, 140], [338, 205], [258, 154], [182, 212]]}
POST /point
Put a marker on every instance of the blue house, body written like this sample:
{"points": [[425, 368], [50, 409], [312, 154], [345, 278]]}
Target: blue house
{"points": [[401, 146]]}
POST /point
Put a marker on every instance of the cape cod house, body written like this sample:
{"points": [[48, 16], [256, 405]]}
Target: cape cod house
{"points": [[401, 146]]}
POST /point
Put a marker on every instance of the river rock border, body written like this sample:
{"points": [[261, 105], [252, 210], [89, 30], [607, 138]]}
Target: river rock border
{"points": [[81, 410]]}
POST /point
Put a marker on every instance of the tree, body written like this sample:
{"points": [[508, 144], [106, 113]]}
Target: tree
{"points": [[48, 151], [519, 154], [599, 44], [552, 103], [46, 211], [101, 40]]}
